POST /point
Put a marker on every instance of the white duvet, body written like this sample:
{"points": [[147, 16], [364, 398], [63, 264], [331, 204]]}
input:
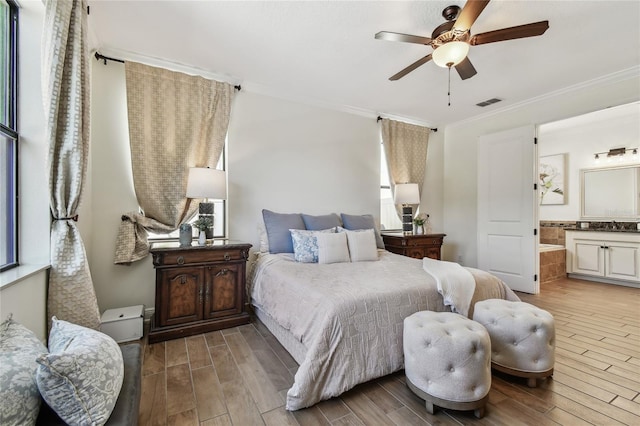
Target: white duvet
{"points": [[349, 316]]}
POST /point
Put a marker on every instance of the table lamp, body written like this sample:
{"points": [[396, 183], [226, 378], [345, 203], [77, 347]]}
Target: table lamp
{"points": [[207, 183], [407, 194]]}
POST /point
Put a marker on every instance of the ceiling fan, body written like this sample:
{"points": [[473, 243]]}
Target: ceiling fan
{"points": [[451, 40]]}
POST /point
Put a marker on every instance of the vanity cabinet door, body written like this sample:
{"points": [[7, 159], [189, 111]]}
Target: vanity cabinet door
{"points": [[588, 258], [621, 261]]}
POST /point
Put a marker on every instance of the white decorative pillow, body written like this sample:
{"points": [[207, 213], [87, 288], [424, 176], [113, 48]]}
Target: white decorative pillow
{"points": [[362, 245], [264, 239], [332, 248], [305, 244], [82, 375], [19, 396]]}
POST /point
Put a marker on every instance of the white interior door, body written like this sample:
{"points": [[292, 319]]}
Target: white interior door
{"points": [[508, 209]]}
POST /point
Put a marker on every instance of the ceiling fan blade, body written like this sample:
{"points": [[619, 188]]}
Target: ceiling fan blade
{"points": [[470, 12], [511, 33], [466, 69], [407, 38], [410, 68]]}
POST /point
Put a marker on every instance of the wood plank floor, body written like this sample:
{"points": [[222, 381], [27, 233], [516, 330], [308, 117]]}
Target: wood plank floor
{"points": [[240, 376]]}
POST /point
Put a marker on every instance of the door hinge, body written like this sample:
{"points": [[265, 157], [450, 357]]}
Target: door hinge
{"points": [[535, 186], [535, 232], [535, 141], [535, 278], [88, 13]]}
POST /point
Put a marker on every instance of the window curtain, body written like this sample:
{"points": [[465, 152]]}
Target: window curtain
{"points": [[405, 146], [66, 96], [176, 121]]}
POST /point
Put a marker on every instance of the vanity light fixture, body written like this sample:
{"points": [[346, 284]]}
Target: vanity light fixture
{"points": [[616, 152]]}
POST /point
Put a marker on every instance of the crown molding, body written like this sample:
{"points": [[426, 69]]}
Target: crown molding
{"points": [[613, 78], [250, 87]]}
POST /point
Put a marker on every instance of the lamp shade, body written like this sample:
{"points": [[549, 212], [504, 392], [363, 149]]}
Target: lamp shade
{"points": [[204, 182], [406, 193], [452, 53]]}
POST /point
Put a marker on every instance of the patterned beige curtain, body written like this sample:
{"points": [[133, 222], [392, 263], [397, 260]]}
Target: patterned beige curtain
{"points": [[176, 121], [65, 85], [405, 146]]}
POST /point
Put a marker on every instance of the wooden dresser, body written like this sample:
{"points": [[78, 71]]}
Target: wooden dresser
{"points": [[417, 246], [198, 288]]}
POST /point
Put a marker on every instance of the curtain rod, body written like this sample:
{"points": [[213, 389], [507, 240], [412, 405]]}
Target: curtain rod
{"points": [[433, 129], [100, 57]]}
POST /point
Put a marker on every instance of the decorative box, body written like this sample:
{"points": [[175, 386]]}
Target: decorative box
{"points": [[123, 324]]}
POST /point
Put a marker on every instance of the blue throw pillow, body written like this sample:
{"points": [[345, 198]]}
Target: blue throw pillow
{"points": [[364, 221], [277, 226], [317, 223]]}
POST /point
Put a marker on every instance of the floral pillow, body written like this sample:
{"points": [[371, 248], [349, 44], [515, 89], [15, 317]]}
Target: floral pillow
{"points": [[81, 376], [19, 396], [305, 244]]}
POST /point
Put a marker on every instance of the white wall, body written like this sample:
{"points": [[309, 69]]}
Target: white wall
{"points": [[26, 298], [580, 137], [460, 151], [282, 156], [288, 157]]}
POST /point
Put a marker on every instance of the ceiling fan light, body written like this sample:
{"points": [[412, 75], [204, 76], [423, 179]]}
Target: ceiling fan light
{"points": [[450, 54]]}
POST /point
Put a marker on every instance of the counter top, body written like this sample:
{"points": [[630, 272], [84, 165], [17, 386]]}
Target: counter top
{"points": [[625, 231]]}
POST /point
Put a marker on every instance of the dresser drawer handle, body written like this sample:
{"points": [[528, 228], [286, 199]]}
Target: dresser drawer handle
{"points": [[222, 272], [227, 256], [180, 260]]}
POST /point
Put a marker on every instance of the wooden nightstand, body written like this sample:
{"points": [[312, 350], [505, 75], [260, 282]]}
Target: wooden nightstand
{"points": [[417, 246], [198, 288]]}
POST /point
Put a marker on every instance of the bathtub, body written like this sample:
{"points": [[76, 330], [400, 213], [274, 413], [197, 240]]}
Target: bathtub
{"points": [[552, 262], [550, 247]]}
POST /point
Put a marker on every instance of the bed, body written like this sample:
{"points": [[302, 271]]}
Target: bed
{"points": [[343, 322]]}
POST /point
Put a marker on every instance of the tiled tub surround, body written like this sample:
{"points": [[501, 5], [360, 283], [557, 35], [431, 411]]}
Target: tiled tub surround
{"points": [[552, 232], [552, 262]]}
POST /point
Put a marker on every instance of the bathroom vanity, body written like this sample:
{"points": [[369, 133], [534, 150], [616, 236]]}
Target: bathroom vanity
{"points": [[606, 256]]}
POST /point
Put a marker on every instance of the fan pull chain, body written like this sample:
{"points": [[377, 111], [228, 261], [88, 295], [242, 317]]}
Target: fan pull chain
{"points": [[449, 84]]}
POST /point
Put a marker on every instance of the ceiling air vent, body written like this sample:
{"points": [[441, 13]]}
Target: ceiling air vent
{"points": [[488, 102]]}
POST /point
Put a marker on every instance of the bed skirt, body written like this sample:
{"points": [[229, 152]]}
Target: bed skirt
{"points": [[295, 348]]}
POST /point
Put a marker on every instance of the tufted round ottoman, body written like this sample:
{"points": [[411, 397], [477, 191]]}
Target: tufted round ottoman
{"points": [[447, 361], [522, 338]]}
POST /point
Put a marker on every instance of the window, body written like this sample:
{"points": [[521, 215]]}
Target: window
{"points": [[8, 136], [388, 216]]}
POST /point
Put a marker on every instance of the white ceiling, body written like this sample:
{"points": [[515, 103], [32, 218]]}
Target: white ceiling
{"points": [[324, 52]]}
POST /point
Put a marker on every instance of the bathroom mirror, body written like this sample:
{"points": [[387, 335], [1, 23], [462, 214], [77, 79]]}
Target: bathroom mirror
{"points": [[610, 193]]}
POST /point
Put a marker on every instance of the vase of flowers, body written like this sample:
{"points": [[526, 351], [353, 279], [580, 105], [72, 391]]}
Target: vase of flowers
{"points": [[202, 224], [419, 223]]}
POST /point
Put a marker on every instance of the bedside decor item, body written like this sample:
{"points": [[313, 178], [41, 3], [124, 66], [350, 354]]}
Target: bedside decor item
{"points": [[420, 221], [202, 224], [207, 183], [186, 235], [407, 194]]}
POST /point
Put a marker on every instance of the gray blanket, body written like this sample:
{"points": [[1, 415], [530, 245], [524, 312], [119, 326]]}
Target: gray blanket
{"points": [[349, 316]]}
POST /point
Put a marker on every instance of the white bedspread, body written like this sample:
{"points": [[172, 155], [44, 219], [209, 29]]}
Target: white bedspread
{"points": [[455, 283], [349, 316]]}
